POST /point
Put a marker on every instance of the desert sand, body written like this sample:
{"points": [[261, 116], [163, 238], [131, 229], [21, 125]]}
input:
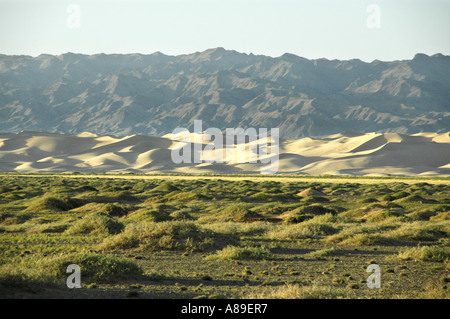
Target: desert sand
{"points": [[363, 154]]}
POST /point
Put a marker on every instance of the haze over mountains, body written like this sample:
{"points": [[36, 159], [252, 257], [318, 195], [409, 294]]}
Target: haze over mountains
{"points": [[154, 94]]}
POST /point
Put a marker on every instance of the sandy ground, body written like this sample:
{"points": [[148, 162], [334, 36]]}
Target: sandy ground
{"points": [[370, 154]]}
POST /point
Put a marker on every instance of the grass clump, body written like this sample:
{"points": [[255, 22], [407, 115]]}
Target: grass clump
{"points": [[368, 200], [238, 213], [323, 252], [242, 253], [314, 199], [94, 267], [301, 214], [55, 227], [33, 273], [170, 235], [363, 234], [295, 291], [150, 216], [165, 187], [114, 210], [302, 230], [181, 215], [416, 199], [421, 231], [96, 224], [381, 215], [425, 253], [50, 203], [424, 214], [239, 229]]}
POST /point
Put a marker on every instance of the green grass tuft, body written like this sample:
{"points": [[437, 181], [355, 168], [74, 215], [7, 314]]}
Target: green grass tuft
{"points": [[242, 253]]}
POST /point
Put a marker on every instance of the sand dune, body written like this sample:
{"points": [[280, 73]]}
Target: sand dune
{"points": [[371, 154]]}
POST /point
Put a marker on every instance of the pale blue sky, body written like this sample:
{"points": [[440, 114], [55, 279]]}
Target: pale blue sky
{"points": [[332, 29]]}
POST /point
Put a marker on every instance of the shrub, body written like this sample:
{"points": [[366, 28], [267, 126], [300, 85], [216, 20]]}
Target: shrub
{"points": [[366, 240], [9, 219], [330, 218], [425, 253], [400, 194], [302, 230], [56, 227], [170, 235], [181, 215], [150, 216], [425, 214], [86, 188], [301, 214], [239, 229], [369, 200], [53, 204], [186, 196], [261, 196], [96, 224], [424, 231], [114, 210], [277, 210], [378, 215], [165, 187], [315, 199], [126, 196], [441, 216], [387, 198], [93, 266], [358, 235], [238, 213], [323, 252], [13, 276], [416, 199], [32, 273], [242, 253], [295, 291]]}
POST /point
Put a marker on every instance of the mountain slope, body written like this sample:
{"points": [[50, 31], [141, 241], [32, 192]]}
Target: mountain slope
{"points": [[154, 94]]}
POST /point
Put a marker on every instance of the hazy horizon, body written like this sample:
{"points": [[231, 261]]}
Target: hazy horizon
{"points": [[226, 49]]}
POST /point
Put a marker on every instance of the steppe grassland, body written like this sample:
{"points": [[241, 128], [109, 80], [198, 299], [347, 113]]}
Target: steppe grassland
{"points": [[223, 236]]}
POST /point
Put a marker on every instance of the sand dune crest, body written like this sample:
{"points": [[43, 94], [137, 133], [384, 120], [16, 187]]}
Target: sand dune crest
{"points": [[347, 153]]}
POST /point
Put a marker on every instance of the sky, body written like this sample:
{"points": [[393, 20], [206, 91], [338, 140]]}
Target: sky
{"points": [[334, 29]]}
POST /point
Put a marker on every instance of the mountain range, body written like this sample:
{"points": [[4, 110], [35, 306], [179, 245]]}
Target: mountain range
{"points": [[124, 94]]}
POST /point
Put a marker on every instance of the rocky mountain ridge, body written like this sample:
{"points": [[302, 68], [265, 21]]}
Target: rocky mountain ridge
{"points": [[123, 94]]}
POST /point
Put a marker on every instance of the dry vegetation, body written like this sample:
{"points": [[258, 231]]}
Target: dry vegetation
{"points": [[212, 237]]}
